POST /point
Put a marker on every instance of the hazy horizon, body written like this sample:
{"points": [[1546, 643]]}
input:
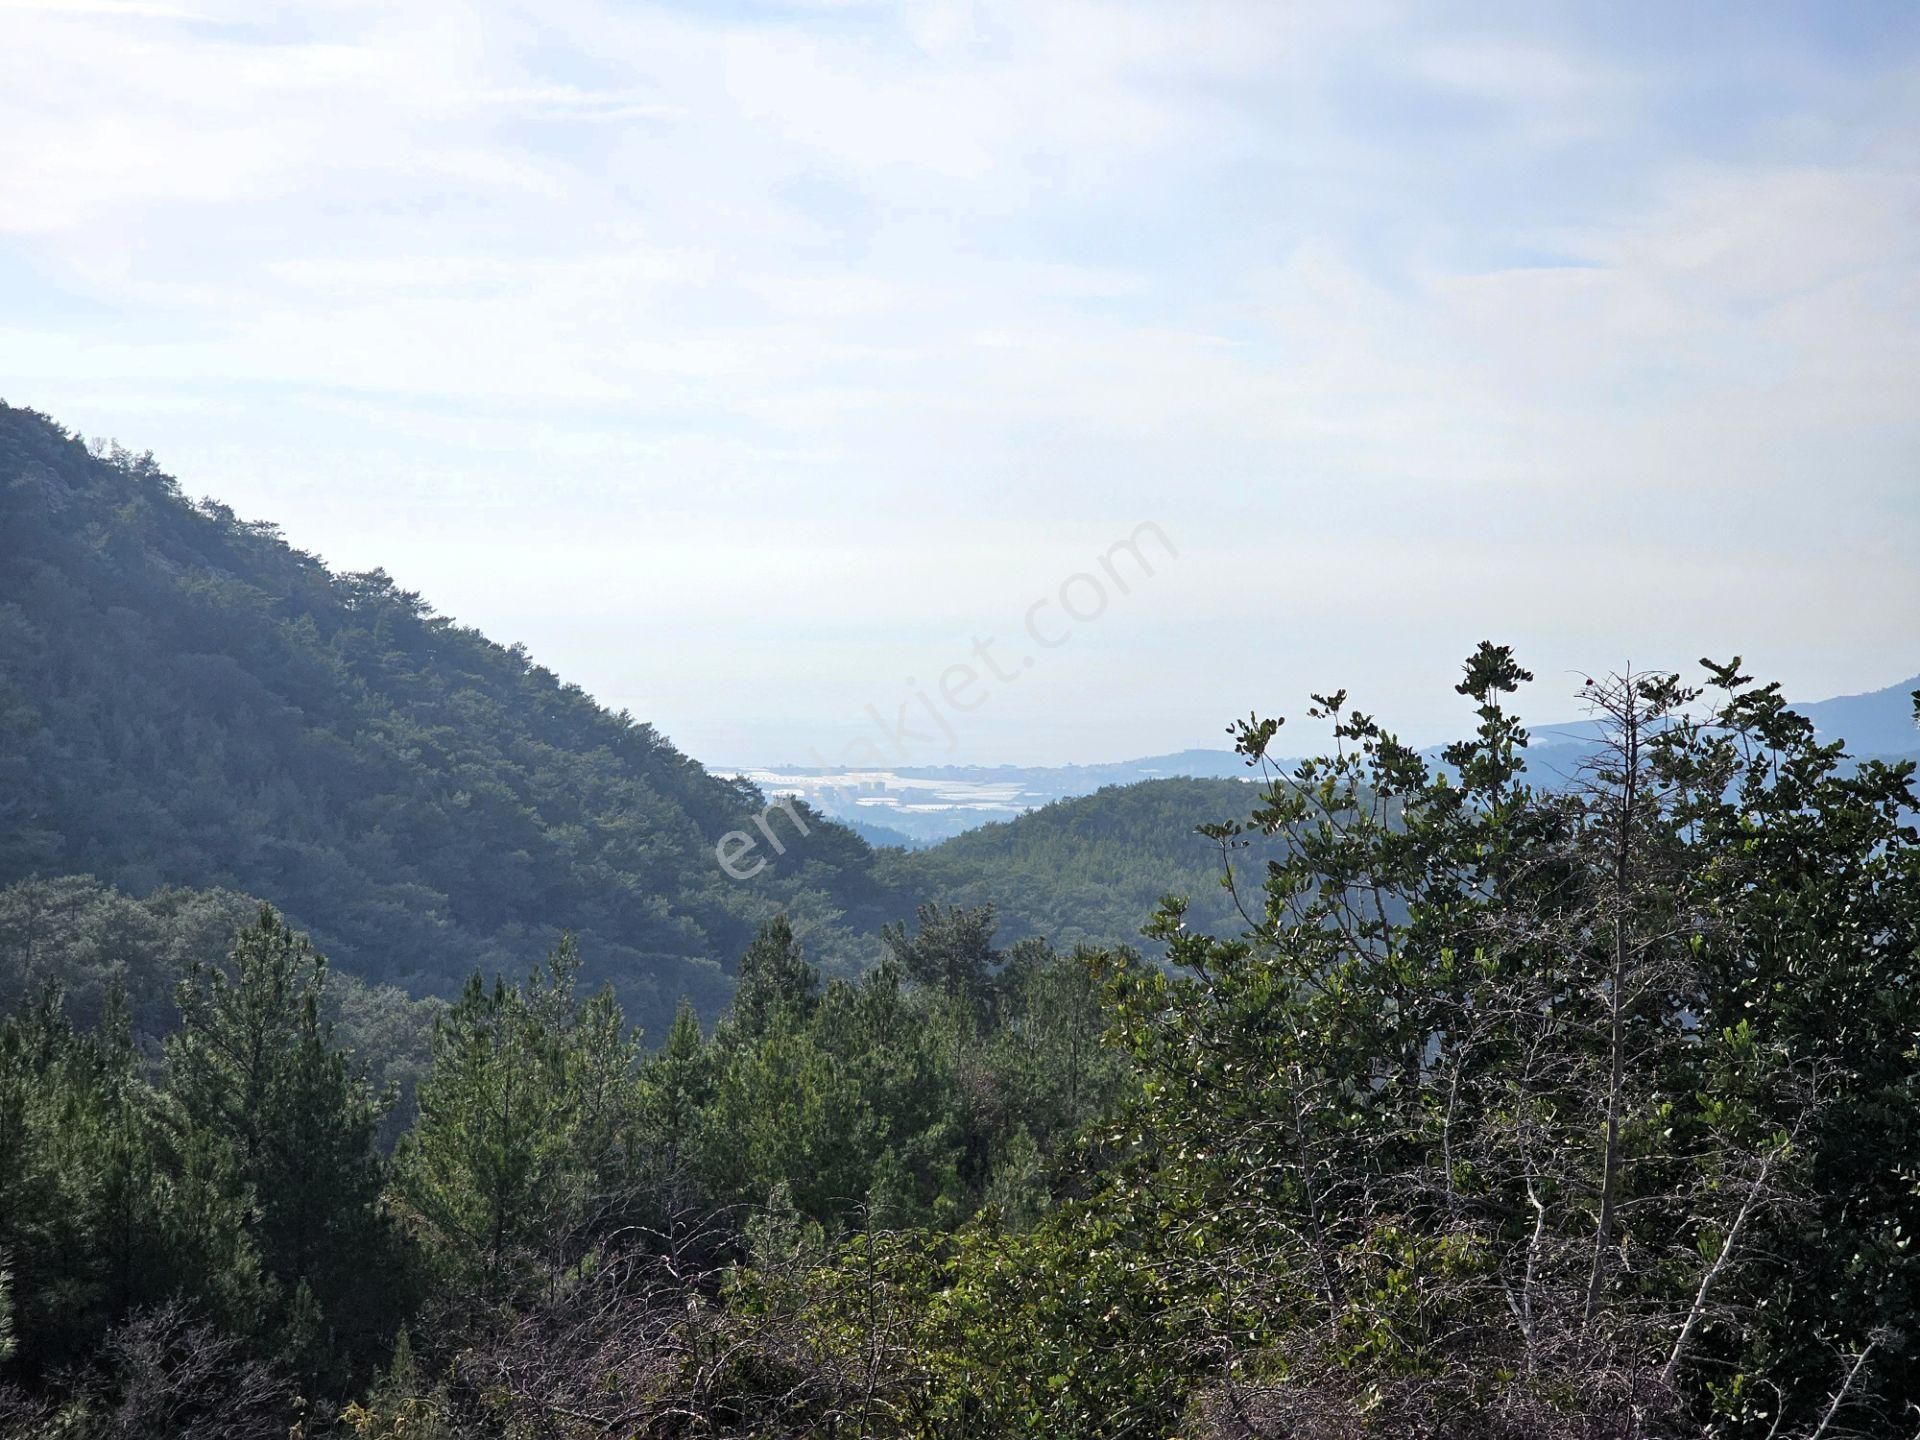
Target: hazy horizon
{"points": [[751, 365]]}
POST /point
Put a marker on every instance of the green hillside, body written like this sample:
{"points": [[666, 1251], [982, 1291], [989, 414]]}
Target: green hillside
{"points": [[187, 699], [1091, 870]]}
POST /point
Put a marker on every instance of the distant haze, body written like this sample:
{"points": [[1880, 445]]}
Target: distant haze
{"points": [[753, 364]]}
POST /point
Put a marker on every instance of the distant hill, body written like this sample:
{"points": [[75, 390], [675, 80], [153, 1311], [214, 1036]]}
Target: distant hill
{"points": [[1084, 779], [1880, 722], [186, 699], [927, 804], [919, 805], [879, 835], [1092, 869], [1877, 723]]}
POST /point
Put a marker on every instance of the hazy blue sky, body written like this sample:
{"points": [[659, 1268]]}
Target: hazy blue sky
{"points": [[746, 361]]}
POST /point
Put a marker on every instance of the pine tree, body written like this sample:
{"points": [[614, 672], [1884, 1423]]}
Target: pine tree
{"points": [[254, 1066], [952, 950], [677, 1086], [103, 1209], [523, 1124], [774, 976]]}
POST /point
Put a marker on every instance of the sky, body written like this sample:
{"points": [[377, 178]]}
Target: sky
{"points": [[753, 364]]}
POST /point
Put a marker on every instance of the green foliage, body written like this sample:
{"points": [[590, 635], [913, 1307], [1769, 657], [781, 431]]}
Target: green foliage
{"points": [[900, 1097], [1462, 1108]]}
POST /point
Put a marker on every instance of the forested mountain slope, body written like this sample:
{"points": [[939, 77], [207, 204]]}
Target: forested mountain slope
{"points": [[186, 699], [1091, 870]]}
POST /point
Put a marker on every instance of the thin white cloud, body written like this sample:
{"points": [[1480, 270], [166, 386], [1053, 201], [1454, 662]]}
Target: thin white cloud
{"points": [[1405, 300]]}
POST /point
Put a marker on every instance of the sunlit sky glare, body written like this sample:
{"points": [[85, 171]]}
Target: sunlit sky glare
{"points": [[748, 362]]}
